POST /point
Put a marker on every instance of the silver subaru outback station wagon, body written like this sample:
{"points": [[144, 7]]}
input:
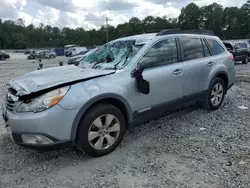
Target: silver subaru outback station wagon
{"points": [[125, 82]]}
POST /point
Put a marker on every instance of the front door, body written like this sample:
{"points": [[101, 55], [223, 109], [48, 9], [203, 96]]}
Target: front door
{"points": [[165, 75]]}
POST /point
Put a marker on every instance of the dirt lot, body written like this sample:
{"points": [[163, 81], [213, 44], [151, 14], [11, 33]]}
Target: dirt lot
{"points": [[190, 148]]}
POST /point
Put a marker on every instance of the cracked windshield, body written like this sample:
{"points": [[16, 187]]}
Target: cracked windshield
{"points": [[111, 56], [124, 94]]}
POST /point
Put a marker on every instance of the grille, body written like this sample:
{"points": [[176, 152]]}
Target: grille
{"points": [[10, 103], [71, 60]]}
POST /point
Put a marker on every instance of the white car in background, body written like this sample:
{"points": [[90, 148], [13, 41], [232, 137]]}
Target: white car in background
{"points": [[76, 60], [74, 50]]}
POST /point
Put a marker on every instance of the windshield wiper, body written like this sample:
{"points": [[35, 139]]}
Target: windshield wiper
{"points": [[107, 59], [98, 62]]}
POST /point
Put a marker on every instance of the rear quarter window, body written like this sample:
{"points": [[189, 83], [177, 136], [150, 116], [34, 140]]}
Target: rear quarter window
{"points": [[215, 47]]}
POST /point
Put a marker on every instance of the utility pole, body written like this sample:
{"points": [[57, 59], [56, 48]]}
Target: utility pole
{"points": [[107, 29]]}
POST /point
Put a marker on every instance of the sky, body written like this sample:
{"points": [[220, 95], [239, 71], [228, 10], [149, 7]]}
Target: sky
{"points": [[91, 14]]}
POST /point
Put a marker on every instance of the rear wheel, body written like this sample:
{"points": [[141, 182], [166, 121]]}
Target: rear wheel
{"points": [[101, 130], [245, 61], [215, 95]]}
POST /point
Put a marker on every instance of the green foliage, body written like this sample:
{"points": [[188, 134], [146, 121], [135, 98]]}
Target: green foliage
{"points": [[227, 23], [190, 17]]}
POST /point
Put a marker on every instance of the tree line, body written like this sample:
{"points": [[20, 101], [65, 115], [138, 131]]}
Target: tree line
{"points": [[227, 23]]}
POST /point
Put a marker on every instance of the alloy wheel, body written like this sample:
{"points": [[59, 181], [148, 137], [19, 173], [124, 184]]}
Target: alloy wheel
{"points": [[104, 132], [217, 94]]}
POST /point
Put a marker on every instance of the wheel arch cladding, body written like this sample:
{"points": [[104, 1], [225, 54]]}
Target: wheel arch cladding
{"points": [[224, 77], [112, 99]]}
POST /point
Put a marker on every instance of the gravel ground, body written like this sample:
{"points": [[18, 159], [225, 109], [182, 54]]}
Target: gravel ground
{"points": [[190, 148]]}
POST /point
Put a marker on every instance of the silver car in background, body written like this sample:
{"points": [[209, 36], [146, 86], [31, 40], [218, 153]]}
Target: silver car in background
{"points": [[125, 82]]}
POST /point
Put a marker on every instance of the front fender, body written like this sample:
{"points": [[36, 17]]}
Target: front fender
{"points": [[94, 100]]}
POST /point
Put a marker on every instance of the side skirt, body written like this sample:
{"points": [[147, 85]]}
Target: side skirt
{"points": [[157, 111]]}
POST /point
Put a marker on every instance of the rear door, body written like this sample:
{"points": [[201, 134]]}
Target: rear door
{"points": [[197, 64]]}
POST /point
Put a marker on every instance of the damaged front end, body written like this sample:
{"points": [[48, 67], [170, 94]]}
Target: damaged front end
{"points": [[40, 90]]}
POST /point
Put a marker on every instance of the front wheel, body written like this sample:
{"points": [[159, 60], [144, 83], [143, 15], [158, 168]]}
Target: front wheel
{"points": [[215, 95], [101, 130]]}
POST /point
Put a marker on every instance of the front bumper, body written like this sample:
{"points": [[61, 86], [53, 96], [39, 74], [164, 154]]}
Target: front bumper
{"points": [[17, 138], [54, 124]]}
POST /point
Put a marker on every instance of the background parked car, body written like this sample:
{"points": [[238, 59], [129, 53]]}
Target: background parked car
{"points": [[79, 53], [46, 54], [75, 50], [67, 47], [32, 55], [239, 49], [76, 60], [28, 51], [4, 56]]}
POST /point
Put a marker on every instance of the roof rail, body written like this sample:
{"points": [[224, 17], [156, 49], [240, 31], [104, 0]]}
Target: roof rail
{"points": [[189, 31]]}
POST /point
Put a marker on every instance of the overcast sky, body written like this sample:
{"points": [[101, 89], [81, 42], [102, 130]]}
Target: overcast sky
{"points": [[91, 13]]}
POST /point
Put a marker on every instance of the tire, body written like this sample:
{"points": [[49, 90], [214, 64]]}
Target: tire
{"points": [[245, 61], [88, 143], [207, 102], [51, 57], [2, 58]]}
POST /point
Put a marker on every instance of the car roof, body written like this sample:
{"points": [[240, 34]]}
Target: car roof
{"points": [[140, 39], [144, 38]]}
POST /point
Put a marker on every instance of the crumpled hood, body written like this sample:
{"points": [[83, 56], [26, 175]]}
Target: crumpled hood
{"points": [[51, 77]]}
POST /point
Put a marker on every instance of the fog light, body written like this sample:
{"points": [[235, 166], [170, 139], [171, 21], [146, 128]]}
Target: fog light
{"points": [[36, 139]]}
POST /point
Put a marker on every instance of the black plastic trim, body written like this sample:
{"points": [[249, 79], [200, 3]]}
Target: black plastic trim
{"points": [[189, 31], [57, 143], [166, 108], [230, 86]]}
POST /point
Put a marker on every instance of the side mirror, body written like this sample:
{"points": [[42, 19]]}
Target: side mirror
{"points": [[142, 85]]}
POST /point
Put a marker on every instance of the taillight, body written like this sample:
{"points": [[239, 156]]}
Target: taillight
{"points": [[231, 56]]}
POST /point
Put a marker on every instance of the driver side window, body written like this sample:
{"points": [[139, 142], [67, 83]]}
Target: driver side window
{"points": [[160, 54]]}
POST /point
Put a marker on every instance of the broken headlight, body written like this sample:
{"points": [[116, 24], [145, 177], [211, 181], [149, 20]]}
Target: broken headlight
{"points": [[43, 102]]}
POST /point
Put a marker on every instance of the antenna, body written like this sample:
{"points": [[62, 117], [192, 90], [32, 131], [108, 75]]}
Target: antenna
{"points": [[107, 29]]}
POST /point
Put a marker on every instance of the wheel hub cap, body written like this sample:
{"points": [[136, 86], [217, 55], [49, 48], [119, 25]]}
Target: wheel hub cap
{"points": [[217, 94], [104, 132]]}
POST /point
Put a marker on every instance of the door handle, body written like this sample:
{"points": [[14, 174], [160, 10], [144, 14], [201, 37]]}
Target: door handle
{"points": [[177, 72], [210, 64]]}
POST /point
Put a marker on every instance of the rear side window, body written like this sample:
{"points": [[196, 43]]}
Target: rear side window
{"points": [[192, 48], [216, 48]]}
